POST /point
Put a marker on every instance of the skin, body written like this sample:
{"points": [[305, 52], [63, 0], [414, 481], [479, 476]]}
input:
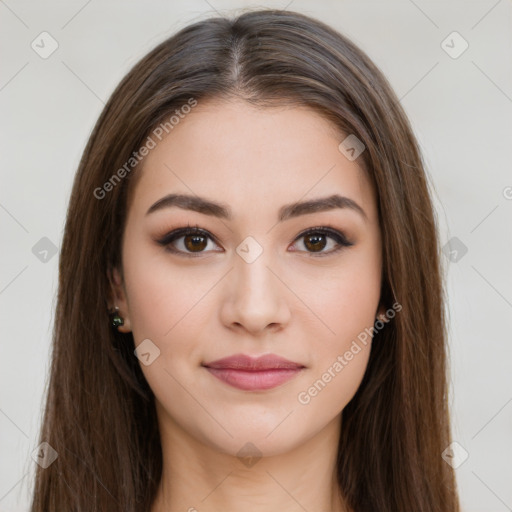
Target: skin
{"points": [[288, 302]]}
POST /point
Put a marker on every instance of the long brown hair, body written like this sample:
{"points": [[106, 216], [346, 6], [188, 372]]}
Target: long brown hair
{"points": [[100, 413]]}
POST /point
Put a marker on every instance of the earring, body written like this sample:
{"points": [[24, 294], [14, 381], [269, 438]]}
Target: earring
{"points": [[115, 319]]}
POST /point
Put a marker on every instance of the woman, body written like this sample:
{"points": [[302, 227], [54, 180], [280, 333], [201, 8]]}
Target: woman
{"points": [[253, 212]]}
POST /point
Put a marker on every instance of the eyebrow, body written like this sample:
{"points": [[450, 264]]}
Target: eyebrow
{"points": [[223, 211]]}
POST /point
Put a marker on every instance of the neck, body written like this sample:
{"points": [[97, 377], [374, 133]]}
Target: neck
{"points": [[201, 478]]}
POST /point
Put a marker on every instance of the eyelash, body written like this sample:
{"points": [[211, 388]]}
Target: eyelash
{"points": [[327, 230]]}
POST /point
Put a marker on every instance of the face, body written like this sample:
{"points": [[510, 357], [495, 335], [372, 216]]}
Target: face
{"points": [[250, 279]]}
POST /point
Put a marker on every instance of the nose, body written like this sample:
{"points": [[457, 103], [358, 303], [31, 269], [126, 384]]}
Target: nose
{"points": [[255, 298]]}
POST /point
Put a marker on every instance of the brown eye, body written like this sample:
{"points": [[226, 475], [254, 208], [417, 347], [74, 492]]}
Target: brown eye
{"points": [[315, 243], [315, 240], [195, 243], [187, 241]]}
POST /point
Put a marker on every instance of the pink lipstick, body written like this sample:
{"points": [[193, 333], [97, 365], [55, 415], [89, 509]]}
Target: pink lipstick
{"points": [[254, 373]]}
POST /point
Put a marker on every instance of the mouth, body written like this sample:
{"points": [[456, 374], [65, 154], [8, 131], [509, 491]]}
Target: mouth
{"points": [[253, 374]]}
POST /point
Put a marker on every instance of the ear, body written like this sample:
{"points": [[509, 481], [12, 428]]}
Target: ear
{"points": [[118, 298]]}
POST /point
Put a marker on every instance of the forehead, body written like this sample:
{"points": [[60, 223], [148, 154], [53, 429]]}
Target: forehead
{"points": [[252, 157]]}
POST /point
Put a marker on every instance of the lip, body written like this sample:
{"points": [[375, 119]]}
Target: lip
{"points": [[254, 373]]}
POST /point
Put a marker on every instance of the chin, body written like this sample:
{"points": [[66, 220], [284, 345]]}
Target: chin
{"points": [[253, 444]]}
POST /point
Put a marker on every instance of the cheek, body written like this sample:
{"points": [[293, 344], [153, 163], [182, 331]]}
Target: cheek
{"points": [[161, 294], [335, 384], [344, 303], [171, 306]]}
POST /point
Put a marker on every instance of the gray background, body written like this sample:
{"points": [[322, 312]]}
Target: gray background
{"points": [[460, 109]]}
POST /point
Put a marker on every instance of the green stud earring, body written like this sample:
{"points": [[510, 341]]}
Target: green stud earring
{"points": [[115, 319]]}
